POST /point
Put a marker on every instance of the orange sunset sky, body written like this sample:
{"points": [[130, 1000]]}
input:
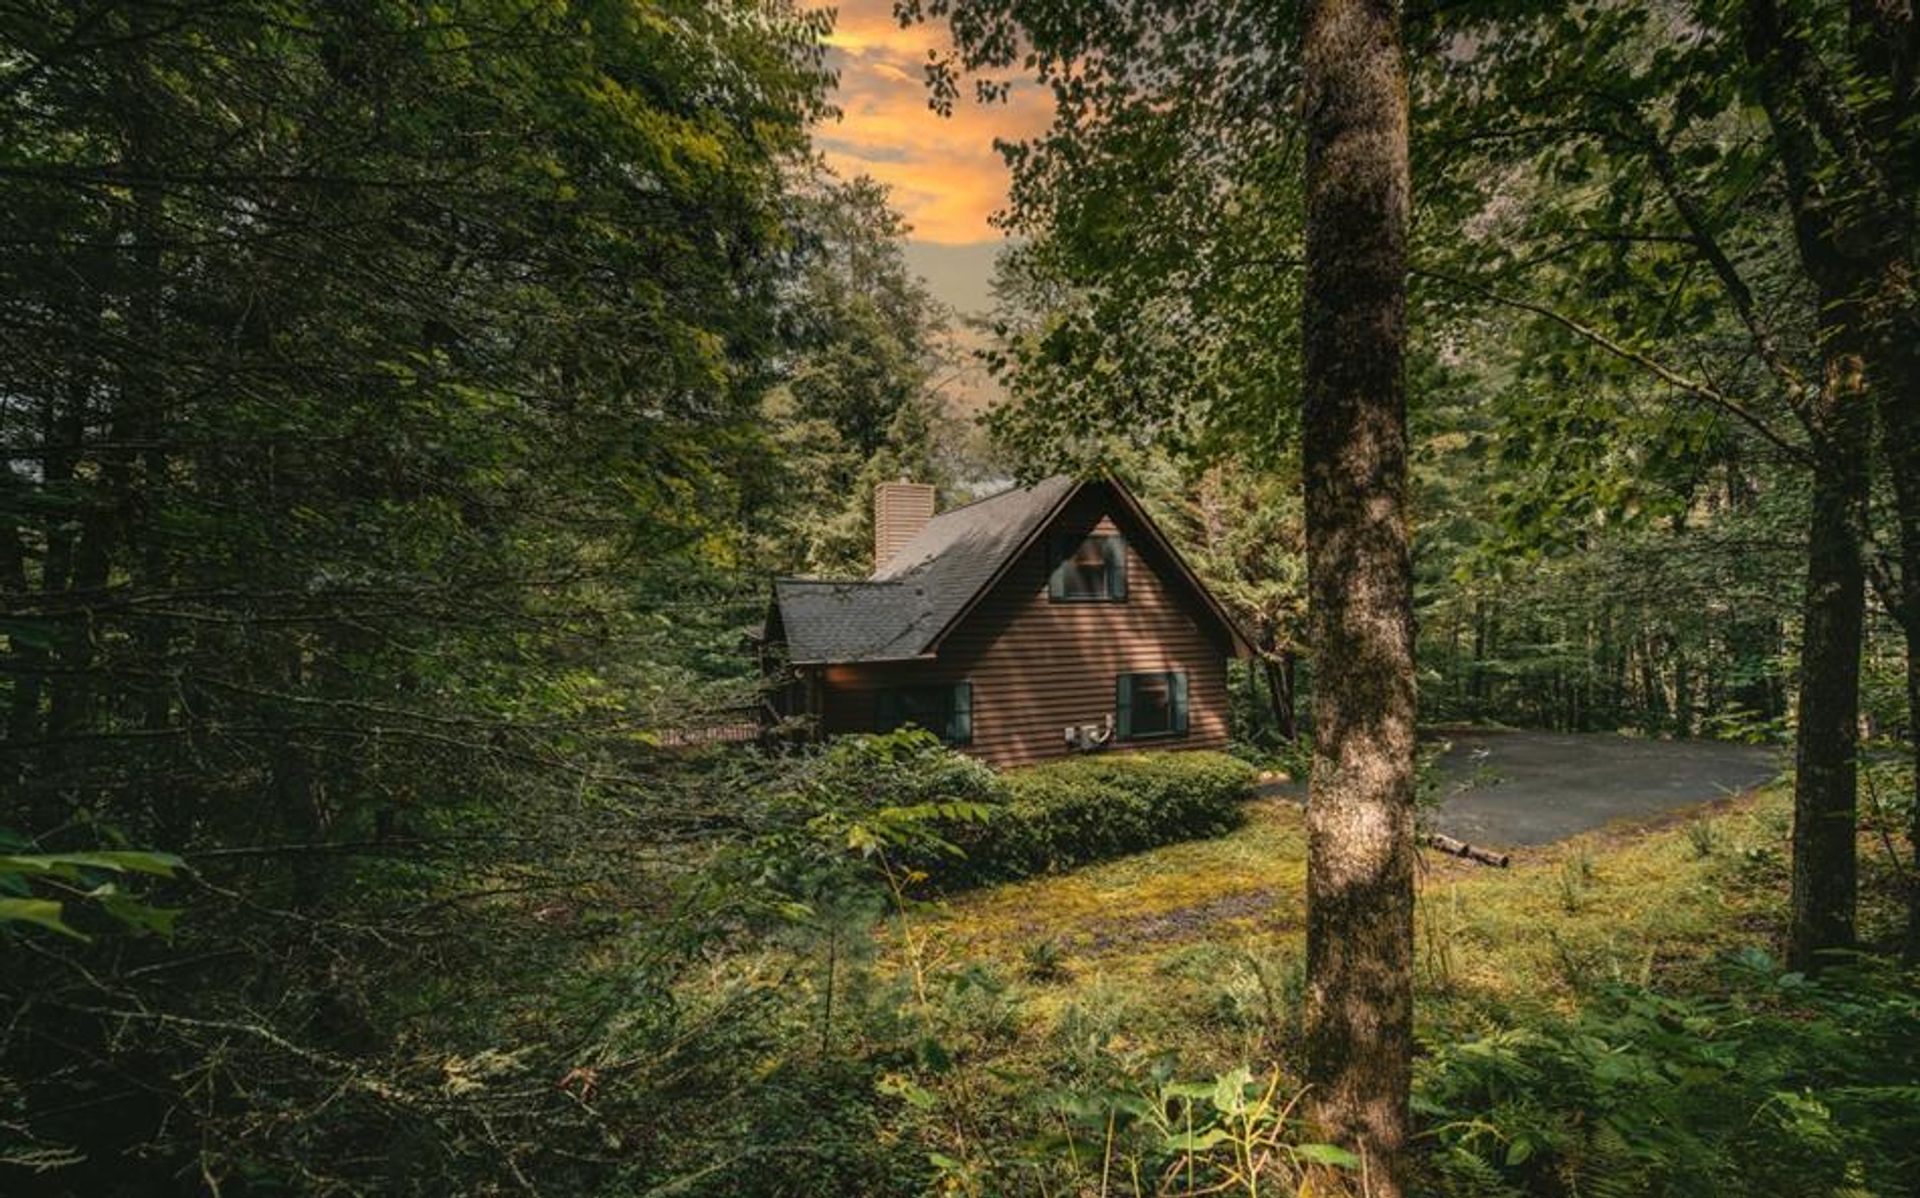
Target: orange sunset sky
{"points": [[946, 176]]}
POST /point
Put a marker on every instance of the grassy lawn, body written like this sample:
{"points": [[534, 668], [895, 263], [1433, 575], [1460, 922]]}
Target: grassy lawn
{"points": [[1196, 947]]}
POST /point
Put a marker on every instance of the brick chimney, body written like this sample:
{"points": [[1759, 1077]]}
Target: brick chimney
{"points": [[900, 509]]}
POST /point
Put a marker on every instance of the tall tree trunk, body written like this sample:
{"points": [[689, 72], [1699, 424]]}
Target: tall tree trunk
{"points": [[25, 661], [1844, 240], [1825, 786], [1359, 1019], [1911, 948], [1477, 672], [1682, 694]]}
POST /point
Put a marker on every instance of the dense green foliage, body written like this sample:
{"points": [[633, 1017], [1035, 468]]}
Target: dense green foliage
{"points": [[859, 400], [403, 408], [1620, 556], [356, 364], [925, 813], [1769, 1084]]}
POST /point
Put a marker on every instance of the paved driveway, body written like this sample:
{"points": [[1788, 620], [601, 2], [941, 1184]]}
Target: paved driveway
{"points": [[1514, 788], [1507, 788]]}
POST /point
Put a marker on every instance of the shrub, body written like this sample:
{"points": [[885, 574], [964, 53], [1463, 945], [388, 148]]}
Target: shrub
{"points": [[1068, 813], [866, 807], [920, 807]]}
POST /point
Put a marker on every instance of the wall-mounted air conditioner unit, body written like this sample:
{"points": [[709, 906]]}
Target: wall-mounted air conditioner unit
{"points": [[1085, 738]]}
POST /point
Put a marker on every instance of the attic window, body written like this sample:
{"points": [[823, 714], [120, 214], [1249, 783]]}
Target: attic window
{"points": [[1089, 570]]}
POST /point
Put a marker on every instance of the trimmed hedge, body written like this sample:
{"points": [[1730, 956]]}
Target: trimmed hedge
{"points": [[906, 800], [1086, 809]]}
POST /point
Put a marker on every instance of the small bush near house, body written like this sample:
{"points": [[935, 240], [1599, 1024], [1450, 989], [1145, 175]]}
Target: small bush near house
{"points": [[907, 800], [1086, 809], [867, 810]]}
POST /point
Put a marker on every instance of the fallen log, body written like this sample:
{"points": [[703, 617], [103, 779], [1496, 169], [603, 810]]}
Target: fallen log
{"points": [[1461, 848]]}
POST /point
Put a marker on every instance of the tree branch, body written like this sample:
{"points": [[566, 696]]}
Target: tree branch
{"points": [[1694, 387]]}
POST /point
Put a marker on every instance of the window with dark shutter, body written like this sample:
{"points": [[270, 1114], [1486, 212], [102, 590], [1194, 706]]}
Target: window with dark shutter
{"points": [[1089, 569], [1147, 706], [946, 710]]}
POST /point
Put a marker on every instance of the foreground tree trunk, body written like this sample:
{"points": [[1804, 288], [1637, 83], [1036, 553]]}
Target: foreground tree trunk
{"points": [[1826, 782], [1910, 949], [1850, 231], [1360, 812]]}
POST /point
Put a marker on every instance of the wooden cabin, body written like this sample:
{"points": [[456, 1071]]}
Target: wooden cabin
{"points": [[1043, 621]]}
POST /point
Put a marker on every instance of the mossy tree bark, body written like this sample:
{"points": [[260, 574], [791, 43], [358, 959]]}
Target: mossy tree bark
{"points": [[1359, 580]]}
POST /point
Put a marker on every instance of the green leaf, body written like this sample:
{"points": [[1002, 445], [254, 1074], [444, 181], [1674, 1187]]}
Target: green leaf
{"points": [[45, 912], [908, 1090], [1197, 1141], [64, 864], [136, 914], [1327, 1154], [1230, 1091]]}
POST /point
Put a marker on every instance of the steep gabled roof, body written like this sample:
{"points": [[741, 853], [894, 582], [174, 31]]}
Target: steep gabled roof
{"points": [[908, 605], [896, 614]]}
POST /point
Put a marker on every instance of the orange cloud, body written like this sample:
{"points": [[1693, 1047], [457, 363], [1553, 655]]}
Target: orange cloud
{"points": [[946, 176]]}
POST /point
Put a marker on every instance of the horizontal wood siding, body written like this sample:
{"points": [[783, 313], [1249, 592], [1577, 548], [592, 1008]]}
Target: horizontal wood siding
{"points": [[1038, 666]]}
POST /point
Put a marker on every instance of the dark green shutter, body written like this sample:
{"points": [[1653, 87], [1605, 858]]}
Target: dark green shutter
{"points": [[889, 712], [1123, 707], [1178, 689], [1058, 553], [960, 717], [1114, 549]]}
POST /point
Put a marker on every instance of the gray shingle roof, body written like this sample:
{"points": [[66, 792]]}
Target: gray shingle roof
{"points": [[895, 614]]}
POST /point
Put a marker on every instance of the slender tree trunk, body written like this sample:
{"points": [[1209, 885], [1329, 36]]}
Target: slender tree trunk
{"points": [[1843, 240], [1476, 674], [1653, 709], [26, 661], [1359, 1019], [1682, 695], [1899, 408], [1280, 689], [1825, 788], [1910, 949]]}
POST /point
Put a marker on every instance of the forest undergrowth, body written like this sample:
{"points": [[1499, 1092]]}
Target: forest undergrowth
{"points": [[1607, 1015]]}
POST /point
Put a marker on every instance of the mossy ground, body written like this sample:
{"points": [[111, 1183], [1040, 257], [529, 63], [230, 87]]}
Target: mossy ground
{"points": [[1196, 949], [1024, 1006]]}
